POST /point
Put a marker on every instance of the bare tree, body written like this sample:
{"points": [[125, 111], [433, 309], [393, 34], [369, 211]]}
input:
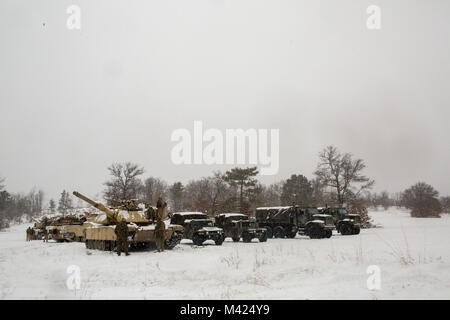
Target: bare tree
{"points": [[422, 199], [152, 189], [445, 203], [272, 194], [208, 194], [384, 200], [342, 173], [215, 190], [125, 183]]}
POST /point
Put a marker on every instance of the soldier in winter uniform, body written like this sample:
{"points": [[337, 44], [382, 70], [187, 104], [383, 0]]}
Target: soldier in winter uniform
{"points": [[150, 213], [122, 237], [159, 234], [28, 234], [159, 203], [45, 235]]}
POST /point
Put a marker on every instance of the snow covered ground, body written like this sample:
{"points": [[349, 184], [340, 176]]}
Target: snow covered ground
{"points": [[412, 254]]}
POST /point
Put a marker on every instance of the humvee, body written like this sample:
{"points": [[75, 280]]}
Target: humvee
{"points": [[346, 223], [237, 226], [282, 222], [198, 227]]}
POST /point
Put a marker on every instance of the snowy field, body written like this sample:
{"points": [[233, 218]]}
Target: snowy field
{"points": [[412, 254]]}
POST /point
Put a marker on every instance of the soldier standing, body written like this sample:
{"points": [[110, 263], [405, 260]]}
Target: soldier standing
{"points": [[159, 234], [150, 213], [45, 235], [161, 208], [122, 237], [159, 203]]}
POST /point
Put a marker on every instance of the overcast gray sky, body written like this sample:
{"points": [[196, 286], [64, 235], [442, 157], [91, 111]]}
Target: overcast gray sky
{"points": [[74, 101]]}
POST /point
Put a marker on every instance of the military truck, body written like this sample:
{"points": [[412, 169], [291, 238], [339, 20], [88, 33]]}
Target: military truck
{"points": [[286, 222], [345, 223], [237, 226], [198, 227], [141, 232]]}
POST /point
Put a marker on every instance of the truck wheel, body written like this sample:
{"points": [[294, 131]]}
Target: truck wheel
{"points": [[328, 233], [278, 232], [219, 240], [169, 244], [314, 232], [247, 238], [356, 230], [198, 241], [345, 229], [263, 237], [235, 239], [269, 232], [290, 234]]}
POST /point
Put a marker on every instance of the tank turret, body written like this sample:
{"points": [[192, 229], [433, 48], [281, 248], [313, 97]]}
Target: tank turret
{"points": [[111, 215], [131, 214]]}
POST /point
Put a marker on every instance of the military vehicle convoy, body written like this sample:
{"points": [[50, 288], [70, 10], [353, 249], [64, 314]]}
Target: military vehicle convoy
{"points": [[100, 235], [198, 227], [282, 222], [345, 223], [237, 226]]}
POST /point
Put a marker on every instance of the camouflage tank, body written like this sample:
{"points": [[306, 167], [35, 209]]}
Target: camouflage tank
{"points": [[38, 230], [141, 232], [68, 228]]}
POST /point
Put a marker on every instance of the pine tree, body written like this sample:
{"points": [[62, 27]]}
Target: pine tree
{"points": [[176, 192], [52, 205], [65, 202], [243, 179], [297, 190]]}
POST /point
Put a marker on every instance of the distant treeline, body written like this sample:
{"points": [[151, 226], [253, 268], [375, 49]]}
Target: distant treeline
{"points": [[338, 180], [15, 206]]}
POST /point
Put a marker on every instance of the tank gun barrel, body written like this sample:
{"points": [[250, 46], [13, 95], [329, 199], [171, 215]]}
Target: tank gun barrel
{"points": [[97, 205]]}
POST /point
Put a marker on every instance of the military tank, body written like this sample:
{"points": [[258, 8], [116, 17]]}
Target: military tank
{"points": [[38, 230], [100, 234], [68, 228]]}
